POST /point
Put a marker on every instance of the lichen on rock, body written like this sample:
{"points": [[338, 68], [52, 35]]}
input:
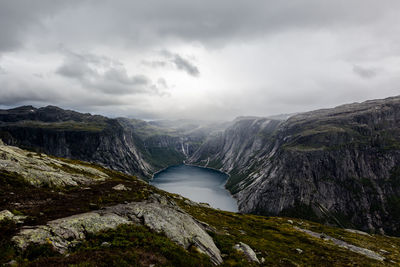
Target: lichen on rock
{"points": [[247, 251], [177, 225]]}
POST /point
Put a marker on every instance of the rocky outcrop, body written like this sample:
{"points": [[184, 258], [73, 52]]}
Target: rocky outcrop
{"points": [[8, 215], [363, 251], [338, 166], [247, 251], [42, 170], [161, 216]]}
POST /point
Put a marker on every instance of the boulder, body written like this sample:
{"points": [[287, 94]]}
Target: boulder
{"points": [[177, 225], [121, 187], [247, 251], [8, 215]]}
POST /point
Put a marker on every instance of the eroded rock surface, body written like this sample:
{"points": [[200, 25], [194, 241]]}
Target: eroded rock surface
{"points": [[8, 215], [339, 165], [162, 218], [363, 251], [41, 170], [247, 251]]}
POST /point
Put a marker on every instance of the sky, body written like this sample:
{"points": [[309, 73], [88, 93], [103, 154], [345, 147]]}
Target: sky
{"points": [[209, 59]]}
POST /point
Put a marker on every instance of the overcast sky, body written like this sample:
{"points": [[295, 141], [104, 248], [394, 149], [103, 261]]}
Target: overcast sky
{"points": [[214, 59]]}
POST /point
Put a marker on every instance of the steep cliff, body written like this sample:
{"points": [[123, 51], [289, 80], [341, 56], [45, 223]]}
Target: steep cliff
{"points": [[338, 165], [129, 145], [70, 134], [166, 143], [237, 149]]}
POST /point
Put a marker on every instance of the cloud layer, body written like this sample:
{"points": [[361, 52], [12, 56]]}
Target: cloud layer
{"points": [[207, 59]]}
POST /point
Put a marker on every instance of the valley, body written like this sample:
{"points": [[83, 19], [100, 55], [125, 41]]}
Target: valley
{"points": [[319, 173]]}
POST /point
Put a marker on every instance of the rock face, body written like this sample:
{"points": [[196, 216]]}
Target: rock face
{"points": [[166, 143], [237, 149], [131, 146], [70, 134], [164, 218], [337, 165]]}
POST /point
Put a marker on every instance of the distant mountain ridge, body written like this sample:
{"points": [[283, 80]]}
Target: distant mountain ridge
{"points": [[128, 145]]}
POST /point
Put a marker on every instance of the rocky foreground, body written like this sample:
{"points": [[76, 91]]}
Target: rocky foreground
{"points": [[59, 212]]}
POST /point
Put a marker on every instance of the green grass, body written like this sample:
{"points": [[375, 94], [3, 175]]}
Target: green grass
{"points": [[274, 239], [64, 126], [164, 157], [127, 245]]}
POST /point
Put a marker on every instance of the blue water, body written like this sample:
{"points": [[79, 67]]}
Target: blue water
{"points": [[197, 184]]}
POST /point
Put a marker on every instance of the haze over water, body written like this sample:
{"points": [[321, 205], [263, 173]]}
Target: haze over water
{"points": [[197, 184]]}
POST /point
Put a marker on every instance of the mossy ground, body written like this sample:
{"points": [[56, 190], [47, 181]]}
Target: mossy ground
{"points": [[276, 240], [273, 238]]}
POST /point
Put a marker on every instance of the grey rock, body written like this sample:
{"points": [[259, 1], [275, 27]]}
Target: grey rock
{"points": [[247, 251], [8, 215], [106, 244], [299, 250], [357, 232], [363, 251], [42, 170], [121, 187], [180, 227]]}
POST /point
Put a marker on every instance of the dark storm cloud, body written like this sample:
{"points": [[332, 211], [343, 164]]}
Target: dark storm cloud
{"points": [[365, 73], [104, 74], [250, 51], [140, 23], [18, 18]]}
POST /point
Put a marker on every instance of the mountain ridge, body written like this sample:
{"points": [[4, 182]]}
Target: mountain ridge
{"points": [[336, 165]]}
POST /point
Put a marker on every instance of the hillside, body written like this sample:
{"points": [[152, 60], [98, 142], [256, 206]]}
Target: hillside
{"points": [[59, 212], [338, 166]]}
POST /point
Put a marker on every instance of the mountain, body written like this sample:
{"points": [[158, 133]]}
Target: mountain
{"points": [[127, 145], [63, 212], [70, 134], [338, 166], [166, 143]]}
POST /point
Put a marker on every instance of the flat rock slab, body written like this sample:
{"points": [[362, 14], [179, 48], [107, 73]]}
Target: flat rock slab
{"points": [[177, 225], [247, 251], [363, 251]]}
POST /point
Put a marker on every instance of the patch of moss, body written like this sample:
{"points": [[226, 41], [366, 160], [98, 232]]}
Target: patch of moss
{"points": [[276, 240], [11, 179]]}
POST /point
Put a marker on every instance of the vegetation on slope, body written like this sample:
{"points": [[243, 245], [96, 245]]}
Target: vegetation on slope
{"points": [[275, 240]]}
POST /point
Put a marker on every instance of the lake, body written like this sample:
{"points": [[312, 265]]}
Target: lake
{"points": [[198, 184]]}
